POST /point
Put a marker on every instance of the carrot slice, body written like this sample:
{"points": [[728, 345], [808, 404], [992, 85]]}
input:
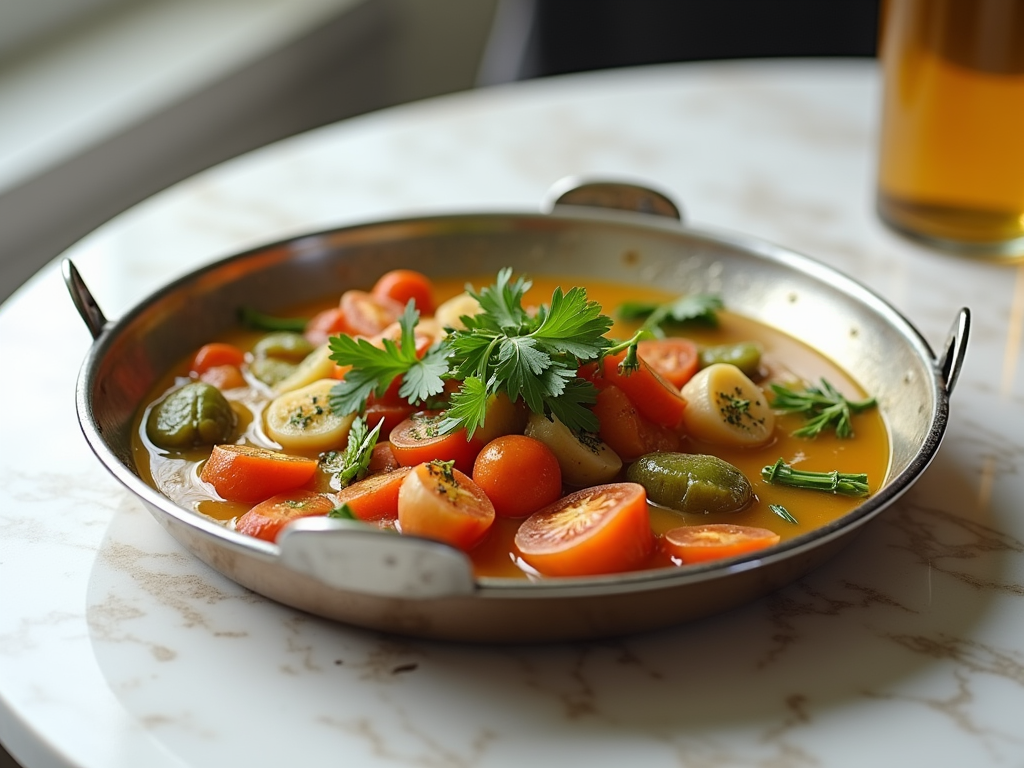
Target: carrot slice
{"points": [[250, 474]]}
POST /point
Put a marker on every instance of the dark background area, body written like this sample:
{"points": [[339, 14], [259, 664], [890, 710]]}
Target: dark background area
{"points": [[578, 35]]}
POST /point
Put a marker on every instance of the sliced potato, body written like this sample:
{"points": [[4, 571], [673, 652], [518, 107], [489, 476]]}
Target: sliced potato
{"points": [[725, 407], [303, 420], [450, 313], [314, 366], [584, 460]]}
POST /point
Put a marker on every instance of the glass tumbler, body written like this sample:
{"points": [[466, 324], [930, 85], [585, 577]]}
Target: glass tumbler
{"points": [[951, 160]]}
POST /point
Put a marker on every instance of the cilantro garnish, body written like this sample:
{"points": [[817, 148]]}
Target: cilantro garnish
{"points": [[699, 308], [533, 357], [374, 368]]}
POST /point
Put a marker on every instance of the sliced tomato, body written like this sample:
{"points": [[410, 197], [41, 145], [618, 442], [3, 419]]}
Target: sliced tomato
{"points": [[367, 315], [374, 497], [216, 354], [625, 431], [655, 397], [676, 359], [403, 284], [322, 325], [416, 440], [439, 502], [602, 529], [700, 543], [266, 519], [519, 474]]}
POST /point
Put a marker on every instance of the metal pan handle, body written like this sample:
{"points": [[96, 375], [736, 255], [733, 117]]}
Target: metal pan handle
{"points": [[84, 302], [610, 194], [955, 349], [355, 557]]}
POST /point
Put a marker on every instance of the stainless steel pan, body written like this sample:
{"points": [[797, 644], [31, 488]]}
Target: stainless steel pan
{"points": [[409, 586]]}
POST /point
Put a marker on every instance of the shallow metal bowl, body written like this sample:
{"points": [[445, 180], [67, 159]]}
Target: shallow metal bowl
{"points": [[405, 585]]}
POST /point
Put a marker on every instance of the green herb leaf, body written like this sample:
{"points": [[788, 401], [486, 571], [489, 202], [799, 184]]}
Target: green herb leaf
{"points": [[352, 463], [344, 512], [700, 308], [824, 407], [782, 512], [258, 321], [374, 368], [846, 484]]}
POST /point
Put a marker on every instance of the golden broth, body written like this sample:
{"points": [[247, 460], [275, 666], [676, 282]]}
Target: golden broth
{"points": [[175, 474]]}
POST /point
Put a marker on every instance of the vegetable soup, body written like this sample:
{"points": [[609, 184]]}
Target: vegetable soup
{"points": [[544, 428]]}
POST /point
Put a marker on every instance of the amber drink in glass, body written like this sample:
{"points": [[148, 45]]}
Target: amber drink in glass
{"points": [[951, 165]]}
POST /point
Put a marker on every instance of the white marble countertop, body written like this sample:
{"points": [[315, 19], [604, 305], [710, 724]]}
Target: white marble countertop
{"points": [[117, 648]]}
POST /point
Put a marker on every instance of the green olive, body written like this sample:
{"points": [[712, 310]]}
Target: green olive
{"points": [[746, 356], [688, 482], [196, 414]]}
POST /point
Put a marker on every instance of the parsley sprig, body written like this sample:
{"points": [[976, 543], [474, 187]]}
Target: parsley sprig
{"points": [[824, 407], [374, 368], [533, 357], [352, 463], [698, 308]]}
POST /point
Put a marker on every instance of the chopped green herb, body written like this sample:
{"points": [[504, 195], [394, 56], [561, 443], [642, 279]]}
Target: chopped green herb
{"points": [[344, 512], [699, 308], [351, 464], [258, 321], [823, 407], [782, 512], [374, 368], [844, 484]]}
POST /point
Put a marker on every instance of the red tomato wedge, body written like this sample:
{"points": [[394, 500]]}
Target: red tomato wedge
{"points": [[324, 324], [439, 502], [700, 543], [603, 529], [216, 354], [416, 440], [250, 474], [655, 398], [266, 519], [675, 359], [375, 497], [367, 315], [626, 432], [519, 474], [403, 284]]}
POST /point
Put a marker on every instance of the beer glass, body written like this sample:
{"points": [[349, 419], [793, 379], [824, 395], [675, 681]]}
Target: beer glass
{"points": [[951, 168]]}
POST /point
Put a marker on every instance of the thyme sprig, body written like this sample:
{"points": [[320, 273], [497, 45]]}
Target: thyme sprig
{"points": [[824, 407]]}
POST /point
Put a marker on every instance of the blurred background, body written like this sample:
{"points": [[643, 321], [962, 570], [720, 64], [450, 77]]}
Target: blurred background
{"points": [[105, 102]]}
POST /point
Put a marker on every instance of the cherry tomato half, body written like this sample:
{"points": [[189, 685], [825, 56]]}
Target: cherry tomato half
{"points": [[674, 358], [625, 431], [266, 519], [403, 284], [700, 543], [367, 315], [602, 529], [416, 440], [375, 497], [439, 502], [656, 398]]}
